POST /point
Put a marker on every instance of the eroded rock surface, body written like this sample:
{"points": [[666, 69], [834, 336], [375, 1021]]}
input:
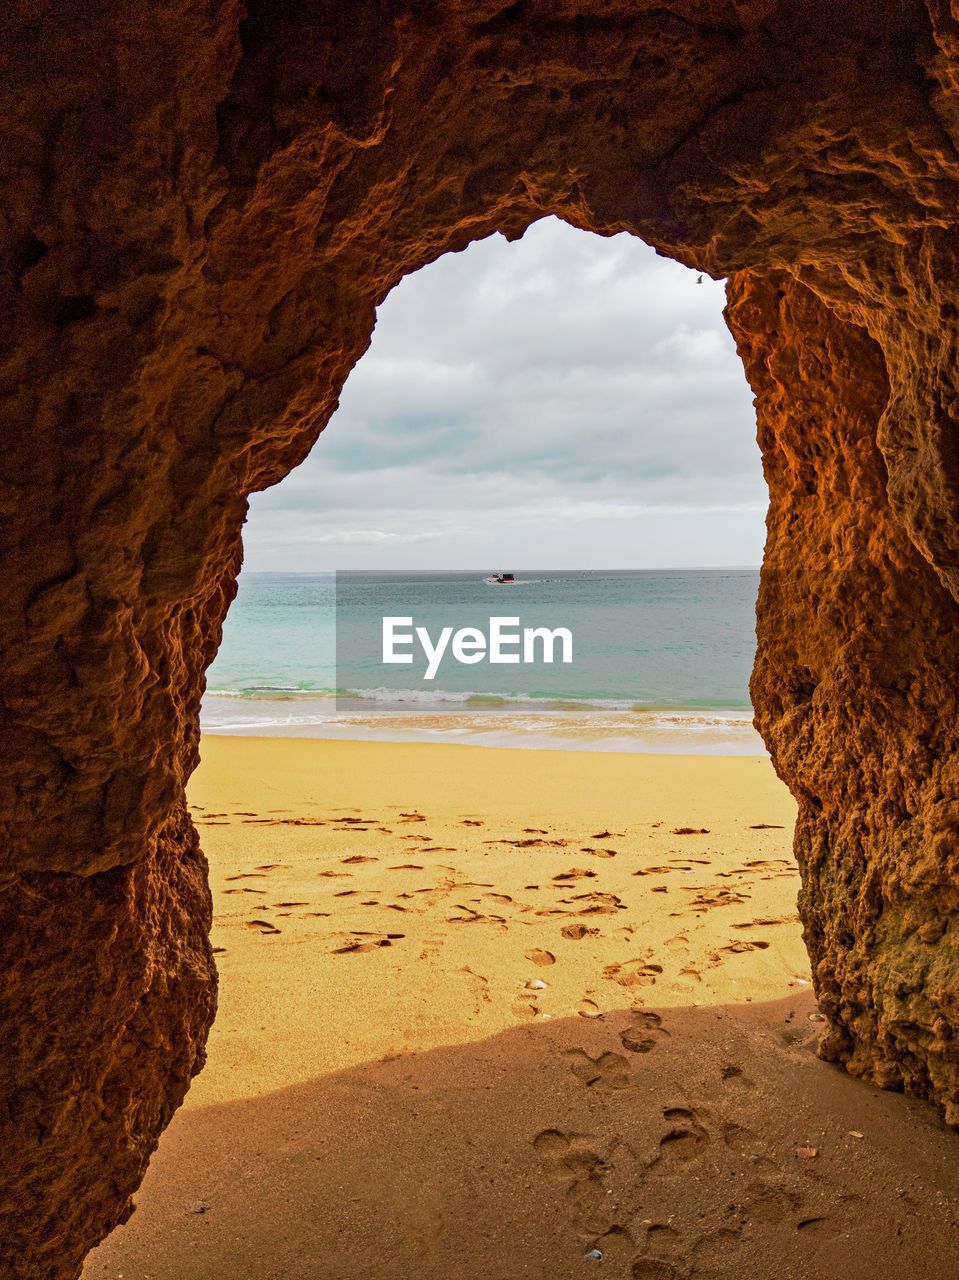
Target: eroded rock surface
{"points": [[203, 207], [855, 672]]}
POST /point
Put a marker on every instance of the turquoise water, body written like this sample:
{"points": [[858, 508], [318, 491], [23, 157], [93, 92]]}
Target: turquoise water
{"points": [[661, 659]]}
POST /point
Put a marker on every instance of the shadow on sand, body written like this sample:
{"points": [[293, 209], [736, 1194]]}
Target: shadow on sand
{"points": [[703, 1142]]}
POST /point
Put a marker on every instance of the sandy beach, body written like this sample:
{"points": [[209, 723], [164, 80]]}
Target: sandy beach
{"points": [[492, 1013]]}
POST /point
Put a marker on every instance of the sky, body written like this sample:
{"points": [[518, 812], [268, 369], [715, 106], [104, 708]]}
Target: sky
{"points": [[565, 401]]}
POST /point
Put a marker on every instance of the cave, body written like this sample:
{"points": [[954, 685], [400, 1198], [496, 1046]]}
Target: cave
{"points": [[205, 204]]}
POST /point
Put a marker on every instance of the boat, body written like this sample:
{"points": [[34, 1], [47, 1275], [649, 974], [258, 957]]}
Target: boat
{"points": [[501, 577]]}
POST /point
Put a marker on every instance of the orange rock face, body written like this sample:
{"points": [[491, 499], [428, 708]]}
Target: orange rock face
{"points": [[203, 206]]}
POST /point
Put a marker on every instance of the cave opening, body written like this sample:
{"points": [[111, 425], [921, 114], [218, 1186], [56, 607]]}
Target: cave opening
{"points": [[455, 912]]}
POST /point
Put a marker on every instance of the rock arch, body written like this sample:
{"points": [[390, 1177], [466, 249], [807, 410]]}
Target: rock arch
{"points": [[204, 206]]}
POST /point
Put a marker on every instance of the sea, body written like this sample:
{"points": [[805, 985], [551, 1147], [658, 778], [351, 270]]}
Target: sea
{"points": [[660, 660]]}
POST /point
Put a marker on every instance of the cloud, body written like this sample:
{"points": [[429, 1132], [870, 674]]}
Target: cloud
{"points": [[361, 537], [566, 397]]}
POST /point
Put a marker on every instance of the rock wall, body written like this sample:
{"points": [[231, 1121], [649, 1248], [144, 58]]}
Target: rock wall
{"points": [[203, 206], [855, 678]]}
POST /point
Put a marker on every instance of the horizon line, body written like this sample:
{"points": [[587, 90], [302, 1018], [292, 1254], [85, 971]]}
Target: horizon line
{"points": [[704, 568]]}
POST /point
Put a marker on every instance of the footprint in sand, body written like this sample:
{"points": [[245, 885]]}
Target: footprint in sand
{"points": [[595, 904], [718, 1253], [746, 1142], [264, 926], [663, 1256], [551, 1144], [764, 922], [525, 1007], [661, 1240], [718, 898], [689, 972], [633, 973], [685, 1140], [822, 1227], [566, 1156], [541, 958], [357, 857], [478, 987], [575, 931], [471, 916], [644, 1033], [767, 1202], [363, 942], [432, 945], [652, 1268], [568, 1159], [608, 1071]]}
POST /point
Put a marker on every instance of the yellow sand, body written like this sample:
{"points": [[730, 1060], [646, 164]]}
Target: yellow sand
{"points": [[482, 1011], [456, 975]]}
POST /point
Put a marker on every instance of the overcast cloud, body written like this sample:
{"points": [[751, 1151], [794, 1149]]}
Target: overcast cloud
{"points": [[562, 402]]}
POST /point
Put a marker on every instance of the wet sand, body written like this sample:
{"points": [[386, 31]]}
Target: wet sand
{"points": [[486, 1013]]}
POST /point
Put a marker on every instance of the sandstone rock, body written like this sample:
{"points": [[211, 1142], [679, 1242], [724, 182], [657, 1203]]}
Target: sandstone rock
{"points": [[203, 206]]}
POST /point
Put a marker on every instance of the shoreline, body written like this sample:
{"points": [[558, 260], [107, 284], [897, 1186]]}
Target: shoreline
{"points": [[667, 730]]}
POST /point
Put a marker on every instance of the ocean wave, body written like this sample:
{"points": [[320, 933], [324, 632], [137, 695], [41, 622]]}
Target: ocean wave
{"points": [[587, 731], [475, 700], [471, 717], [254, 691], [543, 701]]}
